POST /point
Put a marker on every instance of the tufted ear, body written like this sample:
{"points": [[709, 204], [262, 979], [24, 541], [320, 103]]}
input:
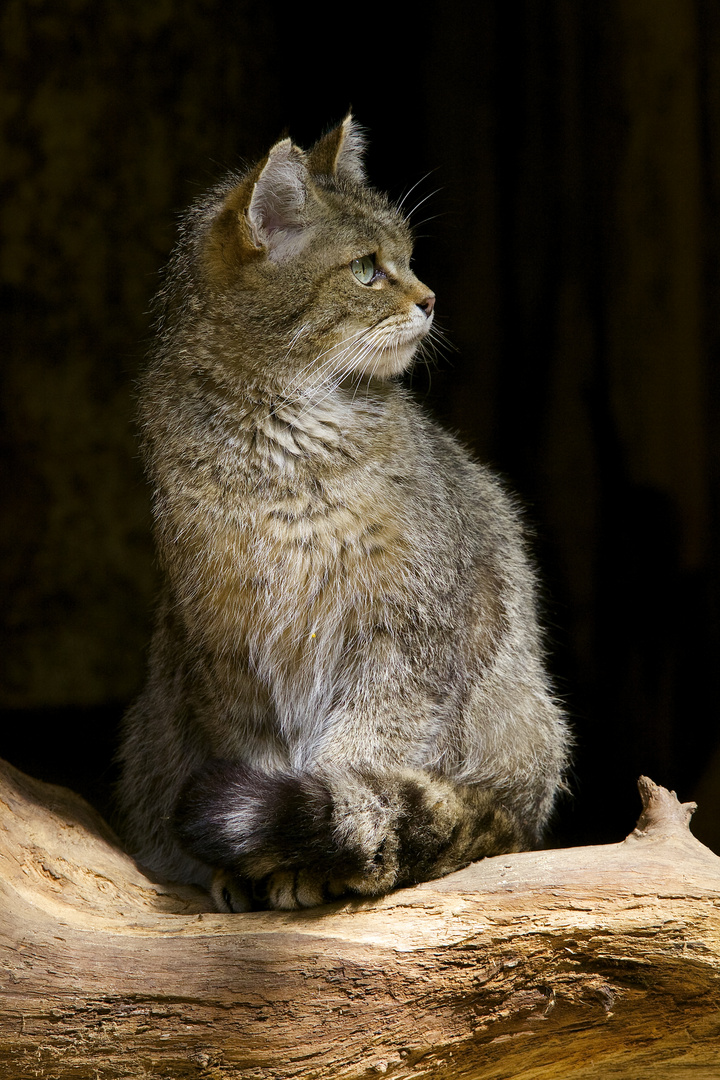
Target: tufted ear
{"points": [[340, 153], [276, 212]]}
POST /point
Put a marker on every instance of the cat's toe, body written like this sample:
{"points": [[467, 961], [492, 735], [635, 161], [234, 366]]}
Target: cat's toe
{"points": [[309, 889], [281, 891], [229, 893], [288, 890]]}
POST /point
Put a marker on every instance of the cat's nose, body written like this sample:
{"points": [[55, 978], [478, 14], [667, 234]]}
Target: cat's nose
{"points": [[427, 304]]}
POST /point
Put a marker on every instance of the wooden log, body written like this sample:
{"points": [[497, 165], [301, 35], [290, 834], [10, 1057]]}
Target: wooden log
{"points": [[585, 963]]}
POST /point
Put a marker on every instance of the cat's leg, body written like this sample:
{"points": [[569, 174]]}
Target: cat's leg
{"points": [[306, 839]]}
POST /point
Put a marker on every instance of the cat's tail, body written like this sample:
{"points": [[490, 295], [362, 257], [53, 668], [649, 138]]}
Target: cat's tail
{"points": [[289, 840]]}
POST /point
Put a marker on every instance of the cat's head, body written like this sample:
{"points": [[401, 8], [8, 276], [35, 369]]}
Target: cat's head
{"points": [[311, 267]]}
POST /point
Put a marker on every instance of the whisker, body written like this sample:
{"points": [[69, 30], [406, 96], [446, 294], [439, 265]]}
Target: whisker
{"points": [[417, 206], [327, 365], [417, 184], [355, 335], [354, 355], [432, 217]]}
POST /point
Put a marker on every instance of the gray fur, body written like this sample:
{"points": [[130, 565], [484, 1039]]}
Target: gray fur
{"points": [[347, 602]]}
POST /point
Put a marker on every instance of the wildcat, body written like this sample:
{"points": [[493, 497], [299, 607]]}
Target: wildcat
{"points": [[346, 689]]}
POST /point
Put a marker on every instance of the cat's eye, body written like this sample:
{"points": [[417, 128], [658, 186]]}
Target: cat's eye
{"points": [[364, 269]]}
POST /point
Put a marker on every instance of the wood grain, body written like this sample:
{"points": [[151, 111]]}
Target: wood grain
{"points": [[585, 963]]}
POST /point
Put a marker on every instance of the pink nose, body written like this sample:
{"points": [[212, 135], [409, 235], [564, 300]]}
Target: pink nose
{"points": [[428, 304]]}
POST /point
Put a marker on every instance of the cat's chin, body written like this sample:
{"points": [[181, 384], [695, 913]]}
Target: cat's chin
{"points": [[397, 355], [386, 363]]}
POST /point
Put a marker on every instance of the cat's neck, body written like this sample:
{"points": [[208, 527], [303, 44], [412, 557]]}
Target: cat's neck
{"points": [[316, 426]]}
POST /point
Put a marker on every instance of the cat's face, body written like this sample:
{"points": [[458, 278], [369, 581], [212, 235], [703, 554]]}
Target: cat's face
{"points": [[365, 311], [318, 265]]}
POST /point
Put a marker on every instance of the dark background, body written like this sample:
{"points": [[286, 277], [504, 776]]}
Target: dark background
{"points": [[571, 152]]}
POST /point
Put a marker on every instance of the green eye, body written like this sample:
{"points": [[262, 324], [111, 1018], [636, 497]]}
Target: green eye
{"points": [[364, 269]]}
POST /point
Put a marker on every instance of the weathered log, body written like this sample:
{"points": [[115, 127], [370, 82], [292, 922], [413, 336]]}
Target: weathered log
{"points": [[585, 963]]}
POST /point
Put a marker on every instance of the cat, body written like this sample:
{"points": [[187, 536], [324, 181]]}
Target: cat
{"points": [[346, 687]]}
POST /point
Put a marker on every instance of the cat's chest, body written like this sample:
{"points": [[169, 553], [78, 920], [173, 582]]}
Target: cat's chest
{"points": [[299, 532], [318, 503], [302, 569], [350, 540]]}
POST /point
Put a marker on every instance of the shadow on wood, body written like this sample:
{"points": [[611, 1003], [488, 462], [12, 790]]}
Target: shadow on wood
{"points": [[585, 963]]}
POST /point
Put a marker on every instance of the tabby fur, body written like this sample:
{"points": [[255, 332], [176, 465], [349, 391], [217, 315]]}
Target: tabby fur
{"points": [[346, 690]]}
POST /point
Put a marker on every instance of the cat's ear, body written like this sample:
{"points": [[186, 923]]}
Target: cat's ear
{"points": [[275, 214], [340, 153]]}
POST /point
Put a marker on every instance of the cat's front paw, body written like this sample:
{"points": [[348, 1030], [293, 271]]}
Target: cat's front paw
{"points": [[292, 890], [284, 890]]}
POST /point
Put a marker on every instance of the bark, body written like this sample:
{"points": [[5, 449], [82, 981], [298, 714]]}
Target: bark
{"points": [[585, 963]]}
